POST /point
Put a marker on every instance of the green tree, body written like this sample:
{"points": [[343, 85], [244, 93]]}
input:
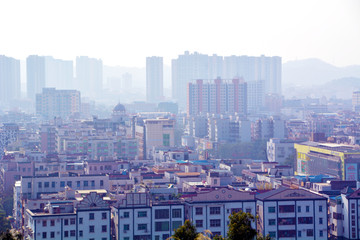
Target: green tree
{"points": [[261, 237], [240, 226], [185, 232], [7, 235]]}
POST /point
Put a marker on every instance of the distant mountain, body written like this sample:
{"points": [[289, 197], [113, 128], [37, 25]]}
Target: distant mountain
{"points": [[340, 88], [309, 72]]}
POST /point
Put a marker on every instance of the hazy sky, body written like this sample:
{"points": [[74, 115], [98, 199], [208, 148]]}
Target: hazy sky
{"points": [[125, 32]]}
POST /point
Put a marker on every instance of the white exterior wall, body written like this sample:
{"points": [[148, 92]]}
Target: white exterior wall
{"points": [[279, 151], [98, 222], [158, 235], [298, 227], [35, 189], [225, 212]]}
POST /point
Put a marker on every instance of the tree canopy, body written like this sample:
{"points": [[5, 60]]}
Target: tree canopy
{"points": [[185, 232], [240, 226]]}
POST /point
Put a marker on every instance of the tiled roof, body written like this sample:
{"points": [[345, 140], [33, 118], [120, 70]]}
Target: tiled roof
{"points": [[283, 193]]}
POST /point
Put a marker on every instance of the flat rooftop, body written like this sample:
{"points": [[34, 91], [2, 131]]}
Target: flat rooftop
{"points": [[345, 148]]}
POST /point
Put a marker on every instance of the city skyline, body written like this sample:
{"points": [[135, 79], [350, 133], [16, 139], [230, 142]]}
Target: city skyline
{"points": [[305, 30]]}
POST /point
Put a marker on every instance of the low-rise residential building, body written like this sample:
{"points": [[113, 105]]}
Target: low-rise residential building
{"points": [[211, 210], [292, 214], [88, 218]]}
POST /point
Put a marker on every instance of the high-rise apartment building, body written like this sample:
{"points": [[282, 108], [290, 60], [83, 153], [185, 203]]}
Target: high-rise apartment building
{"points": [[189, 67], [35, 71], [46, 71], [218, 96], [59, 73], [57, 103], [356, 101], [154, 79], [9, 79], [264, 71], [89, 76]]}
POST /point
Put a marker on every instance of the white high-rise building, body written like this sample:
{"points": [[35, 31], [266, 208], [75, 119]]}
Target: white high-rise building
{"points": [[9, 79], [59, 73], [89, 76], [154, 79], [46, 71], [35, 71]]}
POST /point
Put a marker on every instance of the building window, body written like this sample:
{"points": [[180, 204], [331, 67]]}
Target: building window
{"points": [[77, 183], [176, 213], [321, 233], [236, 210], [286, 208], [93, 183], [161, 213], [299, 208], [310, 232], [305, 220], [86, 183], [299, 233], [44, 235], [72, 233], [214, 210], [29, 185], [166, 140], [215, 223], [52, 223], [52, 184], [199, 223], [272, 234], [66, 233], [91, 216], [307, 208], [66, 222], [161, 226], [44, 223], [198, 211], [126, 214], [142, 214], [62, 184], [287, 234], [80, 220], [52, 234], [286, 221], [320, 209], [271, 209], [142, 226], [101, 183], [272, 222], [320, 221], [103, 228], [46, 184], [103, 215], [176, 224], [91, 228], [40, 184], [126, 227], [72, 221], [81, 233]]}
